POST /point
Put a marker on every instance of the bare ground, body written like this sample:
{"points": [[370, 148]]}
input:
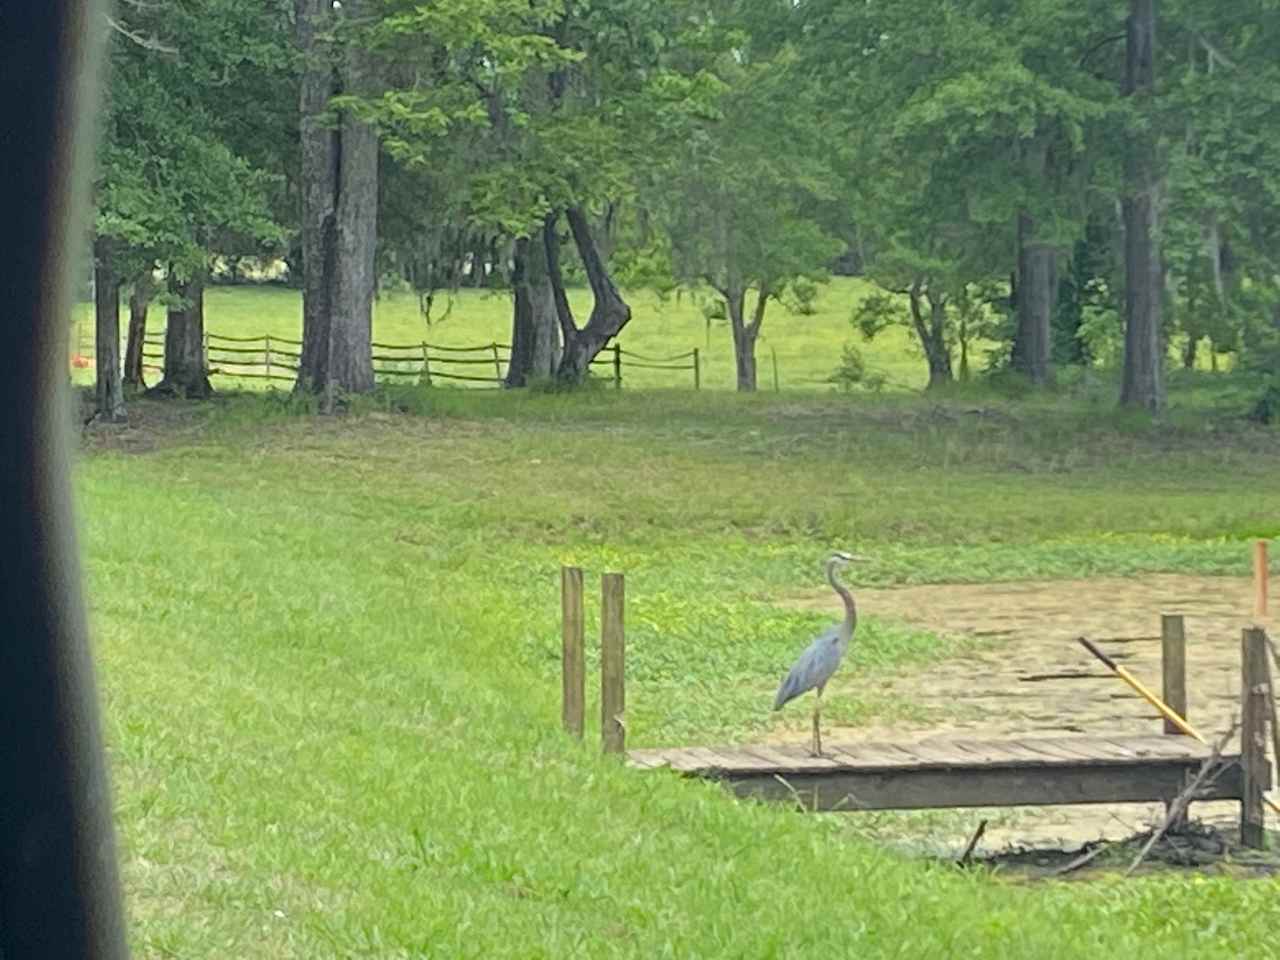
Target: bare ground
{"points": [[1030, 677]]}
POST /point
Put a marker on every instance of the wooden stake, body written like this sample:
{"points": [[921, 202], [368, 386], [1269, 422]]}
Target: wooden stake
{"points": [[1173, 662], [613, 698], [1260, 574], [574, 698], [1255, 693], [697, 369]]}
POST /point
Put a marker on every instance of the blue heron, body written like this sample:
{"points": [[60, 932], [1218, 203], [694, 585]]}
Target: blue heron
{"points": [[822, 658]]}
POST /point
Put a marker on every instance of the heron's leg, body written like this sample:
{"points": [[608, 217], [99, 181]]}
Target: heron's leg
{"points": [[817, 723]]}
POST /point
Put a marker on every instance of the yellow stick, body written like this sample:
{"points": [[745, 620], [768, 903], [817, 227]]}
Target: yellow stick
{"points": [[1156, 702]]}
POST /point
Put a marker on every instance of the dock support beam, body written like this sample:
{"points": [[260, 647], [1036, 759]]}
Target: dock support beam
{"points": [[1255, 701], [1173, 664], [574, 701], [613, 697]]}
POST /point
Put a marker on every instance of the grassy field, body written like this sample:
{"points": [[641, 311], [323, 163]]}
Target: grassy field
{"points": [[328, 649], [808, 347]]}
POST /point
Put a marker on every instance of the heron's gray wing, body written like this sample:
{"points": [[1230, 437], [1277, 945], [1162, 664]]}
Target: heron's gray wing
{"points": [[814, 666]]}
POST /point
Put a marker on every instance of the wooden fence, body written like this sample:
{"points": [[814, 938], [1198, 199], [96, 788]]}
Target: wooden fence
{"points": [[275, 358]]}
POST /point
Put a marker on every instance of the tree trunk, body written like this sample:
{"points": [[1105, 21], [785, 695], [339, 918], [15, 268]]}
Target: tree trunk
{"points": [[139, 302], [744, 339], [339, 213], [1143, 383], [609, 312], [535, 334], [933, 334], [319, 189], [185, 371], [1037, 289], [109, 399]]}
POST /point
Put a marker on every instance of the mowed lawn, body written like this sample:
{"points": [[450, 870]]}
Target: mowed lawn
{"points": [[328, 653], [807, 347]]}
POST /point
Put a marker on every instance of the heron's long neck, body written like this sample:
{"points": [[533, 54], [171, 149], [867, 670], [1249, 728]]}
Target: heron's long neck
{"points": [[850, 609]]}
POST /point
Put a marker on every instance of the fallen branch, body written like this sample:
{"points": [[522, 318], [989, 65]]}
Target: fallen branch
{"points": [[1079, 861], [973, 843], [1210, 770]]}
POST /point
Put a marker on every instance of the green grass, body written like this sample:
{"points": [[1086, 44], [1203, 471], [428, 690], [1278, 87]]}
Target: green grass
{"points": [[328, 653], [808, 347]]}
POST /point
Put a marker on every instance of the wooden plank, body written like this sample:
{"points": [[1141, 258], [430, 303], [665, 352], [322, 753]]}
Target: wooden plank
{"points": [[921, 789], [1253, 744], [613, 695], [573, 707], [1173, 666]]}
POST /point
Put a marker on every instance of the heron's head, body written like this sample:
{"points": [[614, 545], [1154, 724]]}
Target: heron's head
{"points": [[840, 558]]}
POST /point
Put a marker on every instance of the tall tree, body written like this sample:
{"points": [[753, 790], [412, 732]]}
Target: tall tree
{"points": [[339, 201], [1143, 378], [109, 393]]}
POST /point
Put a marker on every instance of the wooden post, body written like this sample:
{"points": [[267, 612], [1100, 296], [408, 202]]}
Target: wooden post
{"points": [[613, 699], [497, 363], [776, 386], [268, 338], [1255, 694], [426, 374], [574, 702], [1173, 662], [1260, 574], [617, 366], [697, 370]]}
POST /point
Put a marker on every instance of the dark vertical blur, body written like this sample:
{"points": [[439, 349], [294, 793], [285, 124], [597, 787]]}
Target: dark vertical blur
{"points": [[59, 893]]}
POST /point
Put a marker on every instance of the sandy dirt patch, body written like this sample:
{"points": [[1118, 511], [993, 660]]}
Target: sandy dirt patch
{"points": [[1028, 676]]}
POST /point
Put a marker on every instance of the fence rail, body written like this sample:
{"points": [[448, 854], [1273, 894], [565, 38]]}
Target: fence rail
{"points": [[269, 357]]}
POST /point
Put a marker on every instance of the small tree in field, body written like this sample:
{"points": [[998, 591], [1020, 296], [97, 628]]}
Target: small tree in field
{"points": [[740, 201]]}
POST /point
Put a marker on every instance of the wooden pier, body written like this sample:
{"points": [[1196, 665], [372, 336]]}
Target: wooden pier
{"points": [[960, 773], [946, 773]]}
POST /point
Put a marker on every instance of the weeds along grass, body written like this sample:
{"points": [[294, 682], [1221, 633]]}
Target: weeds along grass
{"points": [[328, 652]]}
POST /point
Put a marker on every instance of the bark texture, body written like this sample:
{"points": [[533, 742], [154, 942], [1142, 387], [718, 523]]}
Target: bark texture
{"points": [[109, 390], [139, 302], [339, 211], [609, 312], [1143, 381], [929, 318], [185, 372], [535, 333], [1037, 288]]}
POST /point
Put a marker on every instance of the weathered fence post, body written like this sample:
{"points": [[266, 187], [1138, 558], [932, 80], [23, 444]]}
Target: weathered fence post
{"points": [[776, 386], [613, 697], [574, 701], [617, 366], [268, 339], [426, 364], [205, 348], [1254, 701], [497, 363], [1173, 663], [697, 370], [1260, 575]]}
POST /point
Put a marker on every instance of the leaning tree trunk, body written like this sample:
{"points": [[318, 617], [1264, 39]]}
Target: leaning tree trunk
{"points": [[186, 373], [932, 334], [339, 213], [535, 335], [1143, 383], [1037, 287], [139, 302], [109, 393], [609, 312]]}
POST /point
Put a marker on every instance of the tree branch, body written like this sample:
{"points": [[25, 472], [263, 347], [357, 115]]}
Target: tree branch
{"points": [[147, 43], [564, 313]]}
